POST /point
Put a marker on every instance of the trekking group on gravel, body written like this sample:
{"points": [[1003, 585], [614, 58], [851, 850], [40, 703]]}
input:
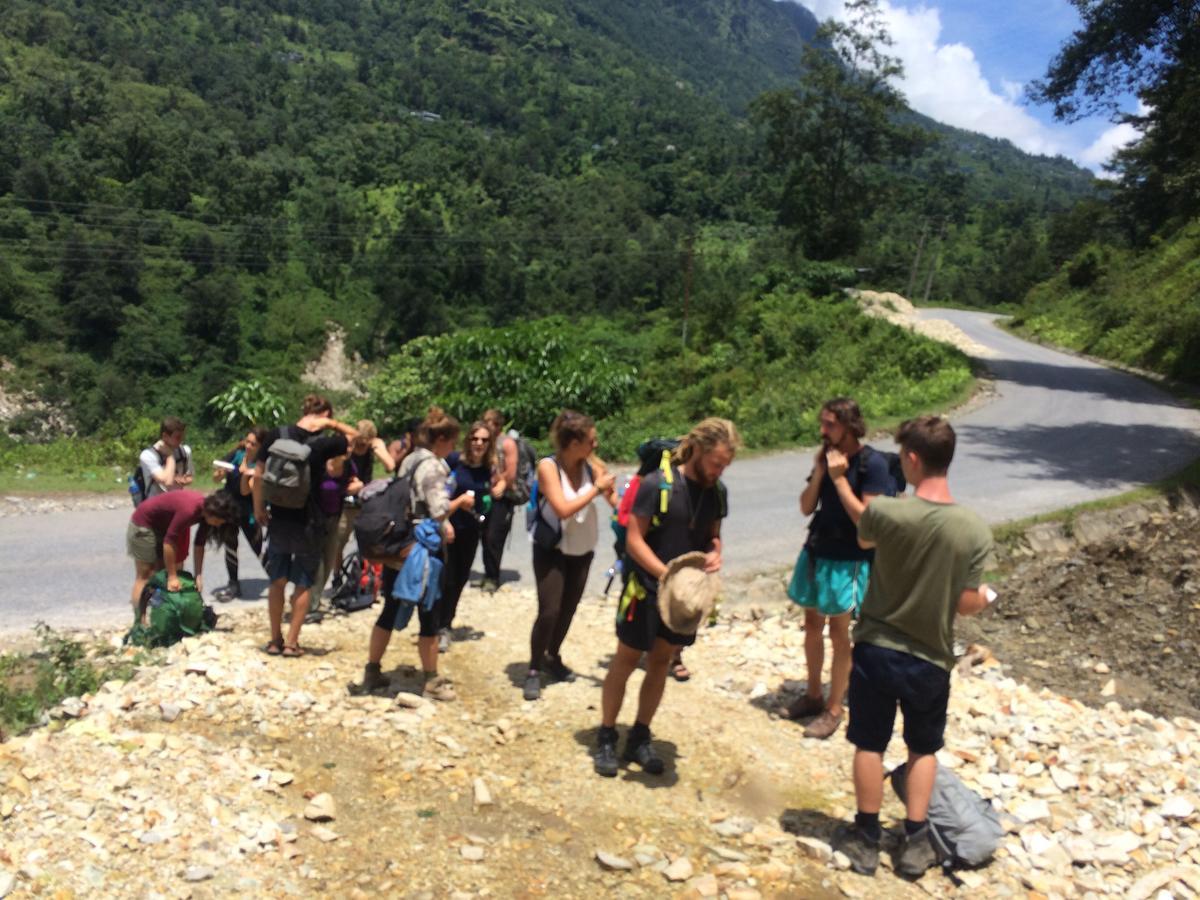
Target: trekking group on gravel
{"points": [[886, 572]]}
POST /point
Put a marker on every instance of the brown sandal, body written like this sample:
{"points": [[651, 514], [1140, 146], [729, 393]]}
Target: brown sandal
{"points": [[274, 647], [293, 651]]}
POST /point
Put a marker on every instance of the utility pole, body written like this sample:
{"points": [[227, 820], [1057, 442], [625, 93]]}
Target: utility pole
{"points": [[687, 289]]}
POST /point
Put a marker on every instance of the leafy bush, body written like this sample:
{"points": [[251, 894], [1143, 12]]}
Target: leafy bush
{"points": [[245, 404], [1085, 268]]}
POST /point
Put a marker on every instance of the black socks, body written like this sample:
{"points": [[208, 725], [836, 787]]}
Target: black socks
{"points": [[911, 827], [868, 824], [638, 734]]}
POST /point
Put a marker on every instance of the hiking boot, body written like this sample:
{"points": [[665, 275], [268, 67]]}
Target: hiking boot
{"points": [[804, 706], [489, 585], [558, 670], [916, 854], [604, 760], [533, 686], [823, 726], [862, 851], [439, 687], [642, 753], [444, 641], [373, 679]]}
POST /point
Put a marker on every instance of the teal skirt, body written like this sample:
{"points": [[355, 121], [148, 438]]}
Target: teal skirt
{"points": [[833, 587]]}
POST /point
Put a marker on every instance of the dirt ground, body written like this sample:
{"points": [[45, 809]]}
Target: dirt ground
{"points": [[1117, 620]]}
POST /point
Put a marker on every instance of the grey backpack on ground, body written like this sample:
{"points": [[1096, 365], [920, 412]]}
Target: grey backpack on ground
{"points": [[285, 477], [964, 828]]}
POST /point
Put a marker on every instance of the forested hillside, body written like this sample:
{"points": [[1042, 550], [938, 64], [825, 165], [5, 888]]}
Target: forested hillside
{"points": [[193, 193]]}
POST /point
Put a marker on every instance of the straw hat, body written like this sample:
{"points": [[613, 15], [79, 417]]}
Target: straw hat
{"points": [[686, 593]]}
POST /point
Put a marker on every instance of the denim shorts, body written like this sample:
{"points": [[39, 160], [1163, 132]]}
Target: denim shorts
{"points": [[883, 678], [298, 568]]}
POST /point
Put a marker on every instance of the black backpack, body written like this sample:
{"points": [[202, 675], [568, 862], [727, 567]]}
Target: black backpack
{"points": [[895, 472], [383, 529], [137, 480], [822, 530]]}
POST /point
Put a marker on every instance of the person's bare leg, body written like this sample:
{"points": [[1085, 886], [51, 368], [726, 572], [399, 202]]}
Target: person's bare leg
{"points": [[275, 597], [868, 781], [839, 679], [814, 650], [380, 637], [142, 572], [612, 694], [299, 611], [918, 783], [427, 649], [658, 664]]}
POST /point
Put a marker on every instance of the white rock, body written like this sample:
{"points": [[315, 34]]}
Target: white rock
{"points": [[1177, 808], [321, 809], [323, 834], [1032, 811], [613, 862], [680, 870], [483, 796], [814, 848], [1109, 689], [197, 873], [1080, 849], [1063, 780], [7, 882], [471, 853], [412, 701], [170, 711]]}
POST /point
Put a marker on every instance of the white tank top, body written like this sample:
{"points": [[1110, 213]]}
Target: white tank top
{"points": [[581, 531]]}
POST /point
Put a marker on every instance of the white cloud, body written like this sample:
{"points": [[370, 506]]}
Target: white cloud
{"points": [[945, 81], [1100, 151]]}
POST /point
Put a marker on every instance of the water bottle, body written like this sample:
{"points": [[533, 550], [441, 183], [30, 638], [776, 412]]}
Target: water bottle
{"points": [[135, 491]]}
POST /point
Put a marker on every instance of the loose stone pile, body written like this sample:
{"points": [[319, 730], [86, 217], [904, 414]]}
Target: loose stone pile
{"points": [[225, 770]]}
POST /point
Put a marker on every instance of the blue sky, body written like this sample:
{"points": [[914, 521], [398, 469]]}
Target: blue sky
{"points": [[967, 63]]}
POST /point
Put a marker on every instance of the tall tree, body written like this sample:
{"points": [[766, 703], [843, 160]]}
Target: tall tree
{"points": [[832, 134], [1150, 48]]}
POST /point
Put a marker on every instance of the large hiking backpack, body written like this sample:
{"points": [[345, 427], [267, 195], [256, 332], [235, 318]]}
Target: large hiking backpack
{"points": [[895, 471], [174, 615], [521, 490], [286, 474], [137, 478], [383, 529], [964, 828]]}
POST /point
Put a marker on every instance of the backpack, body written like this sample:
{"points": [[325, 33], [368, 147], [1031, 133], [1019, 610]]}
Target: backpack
{"points": [[360, 584], [137, 479], [174, 615], [383, 530], [541, 532], [964, 828], [820, 529], [521, 490], [286, 474], [895, 472]]}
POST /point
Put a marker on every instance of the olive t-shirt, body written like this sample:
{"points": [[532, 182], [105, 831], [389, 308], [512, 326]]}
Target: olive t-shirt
{"points": [[926, 555]]}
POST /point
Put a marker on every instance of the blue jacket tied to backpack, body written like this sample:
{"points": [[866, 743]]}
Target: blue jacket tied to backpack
{"points": [[420, 579]]}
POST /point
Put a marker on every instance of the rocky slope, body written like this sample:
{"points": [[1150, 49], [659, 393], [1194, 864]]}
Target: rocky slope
{"points": [[223, 770]]}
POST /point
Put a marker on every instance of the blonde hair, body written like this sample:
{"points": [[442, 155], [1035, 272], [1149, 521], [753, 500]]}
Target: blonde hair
{"points": [[437, 424], [705, 436], [366, 430]]}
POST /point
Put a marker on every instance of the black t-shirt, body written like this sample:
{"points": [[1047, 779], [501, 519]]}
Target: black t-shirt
{"points": [[301, 530], [836, 534], [364, 465], [688, 522]]}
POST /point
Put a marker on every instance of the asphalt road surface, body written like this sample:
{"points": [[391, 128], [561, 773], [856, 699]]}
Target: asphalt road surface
{"points": [[1059, 431]]}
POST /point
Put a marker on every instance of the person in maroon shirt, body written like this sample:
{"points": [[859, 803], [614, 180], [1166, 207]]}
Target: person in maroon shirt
{"points": [[157, 536]]}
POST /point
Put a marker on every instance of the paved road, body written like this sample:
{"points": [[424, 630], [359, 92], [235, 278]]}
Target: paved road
{"points": [[1060, 431]]}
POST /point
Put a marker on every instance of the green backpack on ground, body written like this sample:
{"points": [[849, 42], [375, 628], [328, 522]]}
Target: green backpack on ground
{"points": [[174, 615]]}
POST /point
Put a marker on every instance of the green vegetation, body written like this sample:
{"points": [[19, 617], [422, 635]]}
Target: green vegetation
{"points": [[767, 360], [1139, 308], [190, 197], [61, 667]]}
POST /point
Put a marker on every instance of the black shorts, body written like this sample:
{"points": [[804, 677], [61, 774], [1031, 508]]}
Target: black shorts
{"points": [[640, 624], [881, 679], [389, 618]]}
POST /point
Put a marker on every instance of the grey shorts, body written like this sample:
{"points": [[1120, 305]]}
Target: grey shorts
{"points": [[143, 544]]}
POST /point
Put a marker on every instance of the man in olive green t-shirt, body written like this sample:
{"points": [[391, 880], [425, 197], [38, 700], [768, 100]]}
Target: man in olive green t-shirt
{"points": [[930, 556]]}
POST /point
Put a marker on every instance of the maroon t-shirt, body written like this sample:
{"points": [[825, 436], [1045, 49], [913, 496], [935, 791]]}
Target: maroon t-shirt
{"points": [[171, 516]]}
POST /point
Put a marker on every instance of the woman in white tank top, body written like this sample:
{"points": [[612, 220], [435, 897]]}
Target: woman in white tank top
{"points": [[567, 485]]}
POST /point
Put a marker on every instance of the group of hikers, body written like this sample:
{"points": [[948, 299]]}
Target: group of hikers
{"points": [[900, 567]]}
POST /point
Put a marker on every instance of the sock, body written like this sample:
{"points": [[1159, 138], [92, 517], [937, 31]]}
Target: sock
{"points": [[911, 827], [429, 676], [868, 824], [607, 735], [639, 733]]}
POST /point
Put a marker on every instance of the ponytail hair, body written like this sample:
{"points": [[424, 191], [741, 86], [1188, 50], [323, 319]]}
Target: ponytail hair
{"points": [[436, 425], [570, 426], [706, 436]]}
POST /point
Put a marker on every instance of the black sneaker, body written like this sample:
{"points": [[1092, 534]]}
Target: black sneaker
{"points": [[231, 591], [642, 753], [533, 686], [558, 670], [916, 854], [604, 760], [862, 851]]}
